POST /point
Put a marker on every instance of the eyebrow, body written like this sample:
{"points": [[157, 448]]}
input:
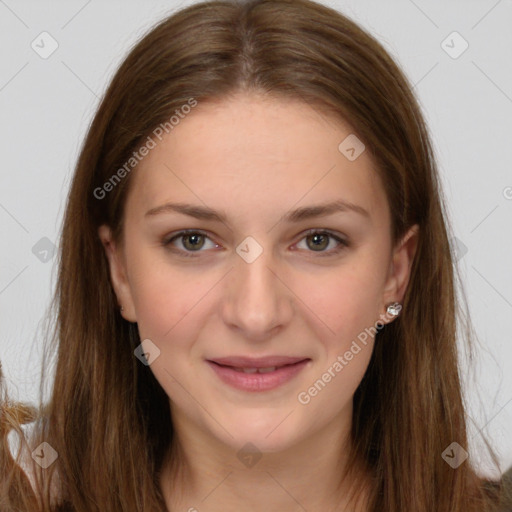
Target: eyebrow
{"points": [[300, 214]]}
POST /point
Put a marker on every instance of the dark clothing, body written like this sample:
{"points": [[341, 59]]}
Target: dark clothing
{"points": [[507, 484]]}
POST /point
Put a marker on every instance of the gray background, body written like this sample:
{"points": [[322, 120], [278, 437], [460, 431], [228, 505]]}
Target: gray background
{"points": [[47, 103]]}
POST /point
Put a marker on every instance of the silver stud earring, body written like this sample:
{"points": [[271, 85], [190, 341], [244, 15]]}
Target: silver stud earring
{"points": [[122, 309], [394, 309]]}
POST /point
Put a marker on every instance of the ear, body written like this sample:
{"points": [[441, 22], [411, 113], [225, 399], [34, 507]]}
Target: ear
{"points": [[118, 273], [400, 267]]}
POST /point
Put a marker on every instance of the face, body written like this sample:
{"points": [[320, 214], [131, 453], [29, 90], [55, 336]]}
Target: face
{"points": [[261, 280]]}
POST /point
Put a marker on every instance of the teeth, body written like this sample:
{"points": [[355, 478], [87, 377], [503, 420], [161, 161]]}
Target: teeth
{"points": [[267, 370], [254, 370]]}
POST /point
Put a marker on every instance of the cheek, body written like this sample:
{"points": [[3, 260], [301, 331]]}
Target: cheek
{"points": [[158, 295], [164, 296], [167, 306], [346, 301], [160, 303], [172, 305]]}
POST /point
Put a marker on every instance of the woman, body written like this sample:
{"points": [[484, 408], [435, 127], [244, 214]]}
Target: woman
{"points": [[256, 304]]}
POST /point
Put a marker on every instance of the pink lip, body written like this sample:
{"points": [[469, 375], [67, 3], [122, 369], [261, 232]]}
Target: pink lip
{"points": [[287, 368], [256, 362]]}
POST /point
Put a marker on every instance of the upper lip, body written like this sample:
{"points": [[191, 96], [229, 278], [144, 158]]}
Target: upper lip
{"points": [[257, 362]]}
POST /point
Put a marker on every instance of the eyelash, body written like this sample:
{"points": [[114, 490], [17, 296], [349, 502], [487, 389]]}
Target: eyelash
{"points": [[342, 244]]}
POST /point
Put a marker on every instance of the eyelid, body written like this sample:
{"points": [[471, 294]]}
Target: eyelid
{"points": [[342, 241]]}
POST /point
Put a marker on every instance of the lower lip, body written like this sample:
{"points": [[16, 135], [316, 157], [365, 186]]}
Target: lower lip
{"points": [[257, 381]]}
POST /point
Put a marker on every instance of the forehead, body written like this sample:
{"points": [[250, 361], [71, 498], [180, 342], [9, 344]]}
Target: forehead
{"points": [[256, 154]]}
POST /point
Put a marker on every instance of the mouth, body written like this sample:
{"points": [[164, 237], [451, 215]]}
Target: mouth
{"points": [[255, 375]]}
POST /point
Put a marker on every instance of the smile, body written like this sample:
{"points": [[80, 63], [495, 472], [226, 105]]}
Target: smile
{"points": [[257, 378]]}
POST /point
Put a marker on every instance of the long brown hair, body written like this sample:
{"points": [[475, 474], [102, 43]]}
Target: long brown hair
{"points": [[108, 419]]}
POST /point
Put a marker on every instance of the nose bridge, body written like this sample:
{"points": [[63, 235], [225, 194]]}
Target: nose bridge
{"points": [[257, 301]]}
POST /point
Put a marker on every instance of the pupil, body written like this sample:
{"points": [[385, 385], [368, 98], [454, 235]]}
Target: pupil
{"points": [[316, 238], [195, 239]]}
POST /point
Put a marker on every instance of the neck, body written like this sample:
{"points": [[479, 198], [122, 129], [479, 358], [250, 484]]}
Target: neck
{"points": [[202, 474]]}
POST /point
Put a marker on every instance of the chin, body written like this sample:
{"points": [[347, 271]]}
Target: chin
{"points": [[265, 430]]}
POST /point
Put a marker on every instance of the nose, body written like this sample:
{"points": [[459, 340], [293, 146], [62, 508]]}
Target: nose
{"points": [[257, 301]]}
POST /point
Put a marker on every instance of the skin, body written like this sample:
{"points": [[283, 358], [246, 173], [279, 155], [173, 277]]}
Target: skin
{"points": [[257, 158]]}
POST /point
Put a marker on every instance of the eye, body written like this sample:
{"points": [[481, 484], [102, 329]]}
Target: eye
{"points": [[192, 241], [319, 241]]}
